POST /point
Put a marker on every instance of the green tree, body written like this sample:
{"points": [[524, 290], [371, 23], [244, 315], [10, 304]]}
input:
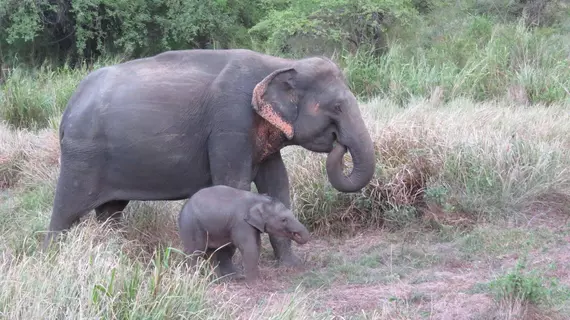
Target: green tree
{"points": [[301, 27], [35, 30]]}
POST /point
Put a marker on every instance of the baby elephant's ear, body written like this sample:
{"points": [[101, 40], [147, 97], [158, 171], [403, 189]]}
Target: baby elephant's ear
{"points": [[255, 217]]}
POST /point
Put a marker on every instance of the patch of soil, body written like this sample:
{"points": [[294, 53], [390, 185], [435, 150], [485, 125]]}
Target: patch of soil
{"points": [[555, 262], [436, 216], [460, 305], [343, 298], [550, 209], [517, 311], [355, 298], [444, 290]]}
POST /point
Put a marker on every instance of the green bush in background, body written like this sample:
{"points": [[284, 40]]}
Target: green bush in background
{"points": [[400, 49]]}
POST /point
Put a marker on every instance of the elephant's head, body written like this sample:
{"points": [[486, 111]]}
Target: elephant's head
{"points": [[274, 218], [310, 102]]}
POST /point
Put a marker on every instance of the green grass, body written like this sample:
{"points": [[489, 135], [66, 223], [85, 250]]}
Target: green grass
{"points": [[452, 52], [96, 280], [31, 98], [485, 162], [497, 242], [465, 170], [471, 56], [380, 264], [518, 286], [521, 288]]}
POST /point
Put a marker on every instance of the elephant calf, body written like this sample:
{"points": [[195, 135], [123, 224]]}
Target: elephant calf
{"points": [[220, 215]]}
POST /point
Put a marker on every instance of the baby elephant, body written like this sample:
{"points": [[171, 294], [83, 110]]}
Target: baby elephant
{"points": [[219, 215]]}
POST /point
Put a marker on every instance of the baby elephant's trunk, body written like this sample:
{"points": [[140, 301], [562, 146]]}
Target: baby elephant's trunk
{"points": [[300, 234]]}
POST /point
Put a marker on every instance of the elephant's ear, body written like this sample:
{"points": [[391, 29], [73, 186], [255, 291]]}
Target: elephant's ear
{"points": [[275, 99], [255, 217]]}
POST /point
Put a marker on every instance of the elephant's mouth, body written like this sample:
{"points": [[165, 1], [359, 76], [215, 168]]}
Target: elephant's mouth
{"points": [[297, 237], [323, 143]]}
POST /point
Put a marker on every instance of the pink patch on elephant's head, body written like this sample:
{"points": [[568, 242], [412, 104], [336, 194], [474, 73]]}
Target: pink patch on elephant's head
{"points": [[314, 108]]}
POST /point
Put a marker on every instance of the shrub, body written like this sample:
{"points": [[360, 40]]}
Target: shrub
{"points": [[462, 160], [35, 98], [533, 12], [79, 29], [306, 27], [518, 289]]}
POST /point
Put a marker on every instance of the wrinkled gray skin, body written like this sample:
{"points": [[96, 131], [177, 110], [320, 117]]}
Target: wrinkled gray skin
{"points": [[163, 127], [221, 215]]}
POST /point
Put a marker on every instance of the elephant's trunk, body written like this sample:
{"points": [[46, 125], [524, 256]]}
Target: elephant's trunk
{"points": [[359, 143], [300, 234]]}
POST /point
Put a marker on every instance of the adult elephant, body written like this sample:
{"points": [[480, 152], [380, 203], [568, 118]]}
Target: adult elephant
{"points": [[163, 127]]}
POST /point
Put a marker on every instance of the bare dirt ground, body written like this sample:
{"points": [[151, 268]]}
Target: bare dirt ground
{"points": [[409, 275]]}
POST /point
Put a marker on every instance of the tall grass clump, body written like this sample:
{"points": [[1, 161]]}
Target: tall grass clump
{"points": [[467, 56], [35, 98], [27, 156], [468, 160], [90, 278]]}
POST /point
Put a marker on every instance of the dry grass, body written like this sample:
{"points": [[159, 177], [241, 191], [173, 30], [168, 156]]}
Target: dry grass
{"points": [[27, 154], [485, 161], [454, 165]]}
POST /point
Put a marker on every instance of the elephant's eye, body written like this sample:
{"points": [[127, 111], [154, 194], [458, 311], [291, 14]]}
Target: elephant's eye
{"points": [[337, 108], [284, 220]]}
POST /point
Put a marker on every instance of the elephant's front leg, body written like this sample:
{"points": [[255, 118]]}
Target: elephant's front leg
{"points": [[273, 180], [249, 246], [230, 160]]}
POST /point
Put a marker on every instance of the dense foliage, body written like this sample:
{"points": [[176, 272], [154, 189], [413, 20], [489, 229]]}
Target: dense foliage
{"points": [[314, 26], [35, 30], [399, 49]]}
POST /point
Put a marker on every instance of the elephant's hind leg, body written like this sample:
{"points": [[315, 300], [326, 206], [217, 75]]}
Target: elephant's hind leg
{"points": [[73, 199], [224, 258], [111, 210], [194, 243]]}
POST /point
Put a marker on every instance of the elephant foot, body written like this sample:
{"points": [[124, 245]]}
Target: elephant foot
{"points": [[228, 277], [284, 253], [236, 276], [227, 270], [290, 261], [225, 266]]}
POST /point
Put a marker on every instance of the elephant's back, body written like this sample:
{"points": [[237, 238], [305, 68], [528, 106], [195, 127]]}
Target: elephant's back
{"points": [[220, 198]]}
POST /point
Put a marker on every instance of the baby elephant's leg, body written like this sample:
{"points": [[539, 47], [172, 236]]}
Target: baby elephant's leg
{"points": [[212, 256], [250, 255], [224, 258], [194, 245]]}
